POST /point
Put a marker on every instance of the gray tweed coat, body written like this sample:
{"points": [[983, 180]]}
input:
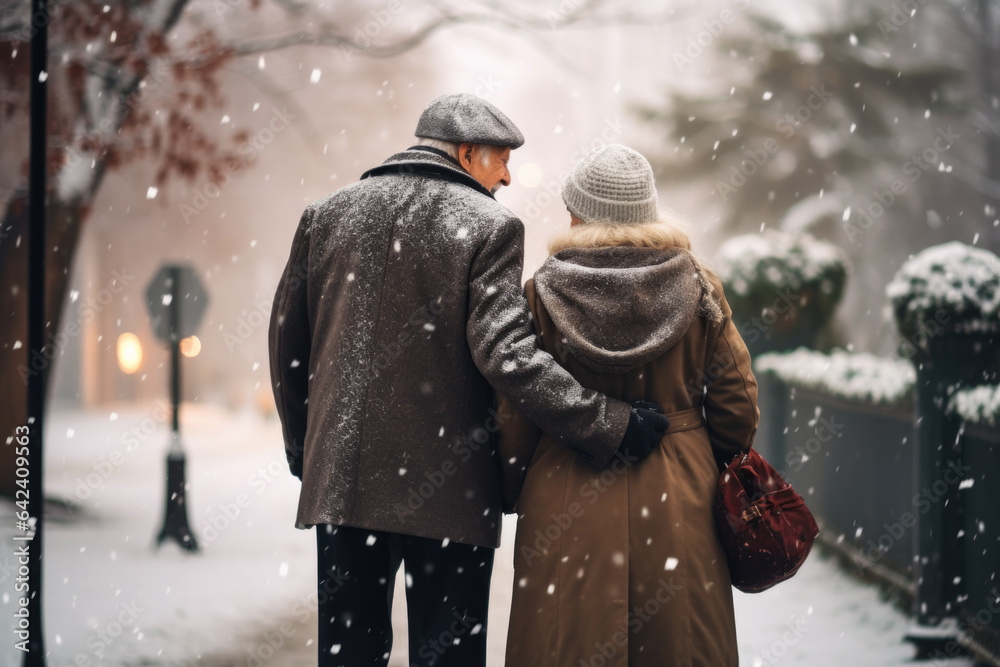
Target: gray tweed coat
{"points": [[400, 306]]}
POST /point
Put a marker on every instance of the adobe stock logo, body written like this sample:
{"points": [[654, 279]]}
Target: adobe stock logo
{"points": [[754, 159], [86, 312], [922, 502], [703, 39], [920, 163], [363, 35]]}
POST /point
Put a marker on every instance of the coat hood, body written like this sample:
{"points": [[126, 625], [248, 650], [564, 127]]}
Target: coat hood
{"points": [[620, 307]]}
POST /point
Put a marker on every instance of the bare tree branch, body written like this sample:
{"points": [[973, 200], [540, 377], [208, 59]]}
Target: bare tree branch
{"points": [[15, 20], [292, 6], [328, 37], [270, 90], [496, 15]]}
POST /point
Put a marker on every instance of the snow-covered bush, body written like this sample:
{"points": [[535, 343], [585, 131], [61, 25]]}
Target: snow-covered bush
{"points": [[860, 377], [773, 259], [783, 288], [952, 286], [977, 404]]}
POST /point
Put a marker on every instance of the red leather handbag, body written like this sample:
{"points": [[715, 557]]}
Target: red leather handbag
{"points": [[764, 525]]}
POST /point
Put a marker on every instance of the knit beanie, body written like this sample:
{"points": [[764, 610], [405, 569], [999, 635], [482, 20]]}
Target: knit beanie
{"points": [[612, 183]]}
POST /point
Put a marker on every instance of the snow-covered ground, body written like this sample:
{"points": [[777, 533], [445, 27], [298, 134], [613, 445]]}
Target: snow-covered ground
{"points": [[112, 599], [246, 598]]}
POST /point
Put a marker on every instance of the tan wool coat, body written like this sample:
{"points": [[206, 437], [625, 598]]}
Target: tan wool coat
{"points": [[621, 565]]}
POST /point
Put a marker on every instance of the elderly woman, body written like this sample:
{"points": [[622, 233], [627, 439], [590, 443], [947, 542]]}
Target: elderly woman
{"points": [[621, 565]]}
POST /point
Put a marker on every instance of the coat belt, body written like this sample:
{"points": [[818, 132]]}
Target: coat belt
{"points": [[685, 420]]}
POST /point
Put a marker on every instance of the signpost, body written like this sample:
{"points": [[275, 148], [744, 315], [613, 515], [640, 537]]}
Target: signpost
{"points": [[176, 301]]}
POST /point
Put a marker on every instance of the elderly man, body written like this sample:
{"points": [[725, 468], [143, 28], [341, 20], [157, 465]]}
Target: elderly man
{"points": [[399, 312]]}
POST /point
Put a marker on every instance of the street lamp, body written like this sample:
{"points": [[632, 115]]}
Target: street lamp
{"points": [[129, 353]]}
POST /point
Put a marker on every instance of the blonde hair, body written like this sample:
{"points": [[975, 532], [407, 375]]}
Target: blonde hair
{"points": [[670, 231]]}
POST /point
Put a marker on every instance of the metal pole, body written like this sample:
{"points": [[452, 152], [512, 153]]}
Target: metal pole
{"points": [[175, 521], [35, 655], [175, 354], [938, 547]]}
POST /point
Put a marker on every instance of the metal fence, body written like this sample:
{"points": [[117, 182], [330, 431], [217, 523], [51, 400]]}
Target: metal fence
{"points": [[856, 465], [979, 609]]}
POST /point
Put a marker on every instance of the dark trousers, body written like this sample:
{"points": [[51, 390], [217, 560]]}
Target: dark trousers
{"points": [[447, 592]]}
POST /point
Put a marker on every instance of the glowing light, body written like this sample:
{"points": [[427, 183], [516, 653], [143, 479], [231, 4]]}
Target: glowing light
{"points": [[529, 175], [190, 346], [129, 353]]}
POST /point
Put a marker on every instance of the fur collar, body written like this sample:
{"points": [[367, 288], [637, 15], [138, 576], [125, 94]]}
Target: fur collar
{"points": [[657, 235]]}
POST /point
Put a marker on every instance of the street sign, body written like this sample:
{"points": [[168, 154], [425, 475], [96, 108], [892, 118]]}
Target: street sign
{"points": [[176, 302], [173, 321]]}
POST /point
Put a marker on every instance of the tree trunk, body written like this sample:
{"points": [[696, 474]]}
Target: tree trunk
{"points": [[65, 220]]}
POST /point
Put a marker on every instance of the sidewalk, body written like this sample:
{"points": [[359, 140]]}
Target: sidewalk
{"points": [[247, 598], [820, 618]]}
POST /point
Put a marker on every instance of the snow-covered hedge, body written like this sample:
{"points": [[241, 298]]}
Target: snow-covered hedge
{"points": [[773, 259], [977, 404], [783, 288], [861, 377], [953, 285], [865, 377]]}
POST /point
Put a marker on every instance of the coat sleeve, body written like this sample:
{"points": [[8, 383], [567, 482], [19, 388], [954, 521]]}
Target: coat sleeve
{"points": [[505, 351], [731, 395], [516, 442], [289, 342]]}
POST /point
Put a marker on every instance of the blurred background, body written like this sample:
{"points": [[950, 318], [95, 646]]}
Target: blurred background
{"points": [[813, 147]]}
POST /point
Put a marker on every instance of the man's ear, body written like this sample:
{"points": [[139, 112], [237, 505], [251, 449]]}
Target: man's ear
{"points": [[465, 155]]}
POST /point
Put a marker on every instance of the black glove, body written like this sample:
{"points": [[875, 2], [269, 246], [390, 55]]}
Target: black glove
{"points": [[646, 426]]}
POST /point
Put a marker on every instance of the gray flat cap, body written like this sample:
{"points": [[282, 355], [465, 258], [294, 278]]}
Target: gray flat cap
{"points": [[464, 118]]}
